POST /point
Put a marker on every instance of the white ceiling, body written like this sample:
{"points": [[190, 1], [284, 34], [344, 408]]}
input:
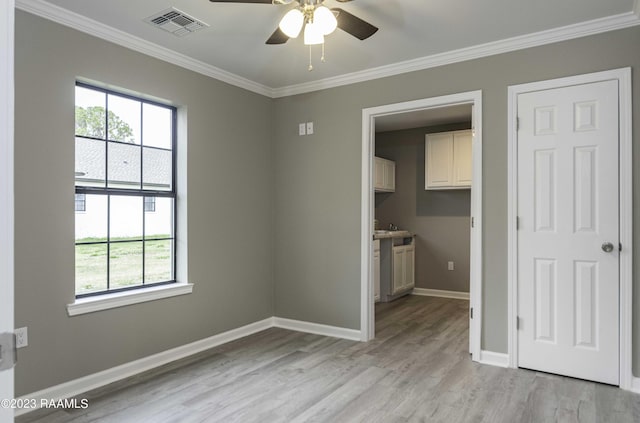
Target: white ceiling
{"points": [[409, 29], [424, 117]]}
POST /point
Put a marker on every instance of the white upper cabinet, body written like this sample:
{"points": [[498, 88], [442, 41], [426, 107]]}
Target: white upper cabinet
{"points": [[384, 175], [448, 160]]}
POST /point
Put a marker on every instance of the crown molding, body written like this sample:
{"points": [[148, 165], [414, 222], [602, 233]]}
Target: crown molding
{"points": [[535, 39], [89, 26], [92, 27]]}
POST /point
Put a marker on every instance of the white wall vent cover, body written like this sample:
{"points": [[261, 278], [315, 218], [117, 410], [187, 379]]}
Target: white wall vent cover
{"points": [[176, 22]]}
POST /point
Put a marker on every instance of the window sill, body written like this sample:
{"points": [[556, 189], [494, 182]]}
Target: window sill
{"points": [[121, 299]]}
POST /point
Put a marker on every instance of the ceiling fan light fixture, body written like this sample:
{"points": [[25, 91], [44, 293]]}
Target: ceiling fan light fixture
{"points": [[313, 34], [291, 23], [325, 19]]}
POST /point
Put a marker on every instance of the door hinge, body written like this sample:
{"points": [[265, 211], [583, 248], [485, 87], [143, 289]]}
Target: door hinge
{"points": [[620, 246], [517, 123], [472, 221], [471, 313], [8, 354], [517, 323], [517, 222]]}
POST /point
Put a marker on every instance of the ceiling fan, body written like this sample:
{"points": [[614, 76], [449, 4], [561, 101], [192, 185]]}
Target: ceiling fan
{"points": [[307, 14]]}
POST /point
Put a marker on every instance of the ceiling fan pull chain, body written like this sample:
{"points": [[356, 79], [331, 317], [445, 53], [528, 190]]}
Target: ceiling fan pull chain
{"points": [[310, 65]]}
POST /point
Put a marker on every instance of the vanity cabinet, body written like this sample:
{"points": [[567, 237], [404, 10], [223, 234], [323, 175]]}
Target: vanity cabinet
{"points": [[448, 160], [403, 268], [384, 175]]}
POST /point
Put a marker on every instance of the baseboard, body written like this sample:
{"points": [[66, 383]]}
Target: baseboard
{"points": [[440, 293], [635, 385], [494, 359], [114, 374], [96, 380], [317, 328]]}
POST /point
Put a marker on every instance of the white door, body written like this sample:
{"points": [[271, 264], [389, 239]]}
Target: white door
{"points": [[462, 168], [6, 190], [568, 231], [439, 160]]}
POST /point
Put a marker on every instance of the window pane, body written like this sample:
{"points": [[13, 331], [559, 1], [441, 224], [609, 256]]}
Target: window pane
{"points": [[90, 162], [158, 261], [125, 218], [91, 226], [125, 264], [124, 119], [160, 223], [157, 169], [91, 268], [157, 128], [90, 112], [124, 166]]}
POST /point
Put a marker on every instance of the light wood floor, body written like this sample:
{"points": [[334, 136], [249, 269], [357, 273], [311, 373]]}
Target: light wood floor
{"points": [[416, 370]]}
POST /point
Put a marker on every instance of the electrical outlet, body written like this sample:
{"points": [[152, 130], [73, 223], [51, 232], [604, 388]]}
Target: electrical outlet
{"points": [[22, 337], [309, 128], [450, 265], [302, 129]]}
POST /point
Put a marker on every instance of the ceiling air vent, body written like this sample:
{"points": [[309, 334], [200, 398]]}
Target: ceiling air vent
{"points": [[176, 22]]}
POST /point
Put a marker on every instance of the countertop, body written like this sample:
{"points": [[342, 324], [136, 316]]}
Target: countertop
{"points": [[391, 234]]}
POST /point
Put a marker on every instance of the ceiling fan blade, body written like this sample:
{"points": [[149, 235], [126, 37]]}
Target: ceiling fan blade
{"points": [[242, 1], [354, 25], [278, 37], [344, 1]]}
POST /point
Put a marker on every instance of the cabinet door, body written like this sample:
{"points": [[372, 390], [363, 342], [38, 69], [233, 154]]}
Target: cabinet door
{"points": [[409, 267], [398, 270], [376, 275], [462, 159], [390, 175], [378, 173], [439, 160]]}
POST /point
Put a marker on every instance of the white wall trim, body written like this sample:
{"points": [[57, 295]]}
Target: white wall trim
{"points": [[316, 328], [550, 36], [425, 292], [92, 27], [494, 359], [7, 213], [71, 19], [626, 210], [367, 317], [132, 368], [635, 385], [125, 298], [87, 383]]}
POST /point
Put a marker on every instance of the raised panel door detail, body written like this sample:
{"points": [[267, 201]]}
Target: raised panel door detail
{"points": [[545, 120], [586, 304], [585, 116], [545, 280], [439, 153], [376, 275], [462, 164], [545, 190], [585, 189], [398, 272], [390, 175], [378, 173], [409, 267], [384, 175]]}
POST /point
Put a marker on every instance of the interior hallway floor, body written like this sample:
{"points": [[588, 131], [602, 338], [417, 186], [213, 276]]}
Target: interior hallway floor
{"points": [[418, 369]]}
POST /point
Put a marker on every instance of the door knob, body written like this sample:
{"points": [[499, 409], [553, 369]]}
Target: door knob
{"points": [[607, 247]]}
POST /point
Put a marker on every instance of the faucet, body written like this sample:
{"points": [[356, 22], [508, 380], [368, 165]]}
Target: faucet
{"points": [[392, 227]]}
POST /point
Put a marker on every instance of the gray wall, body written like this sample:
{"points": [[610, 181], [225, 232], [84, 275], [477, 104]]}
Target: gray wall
{"points": [[439, 218], [229, 197], [318, 178]]}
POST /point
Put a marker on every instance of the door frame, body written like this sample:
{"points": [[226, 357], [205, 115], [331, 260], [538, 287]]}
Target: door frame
{"points": [[367, 312], [623, 76], [6, 191]]}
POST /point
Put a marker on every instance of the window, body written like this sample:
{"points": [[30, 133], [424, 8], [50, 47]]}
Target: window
{"points": [[81, 203], [125, 166], [149, 204]]}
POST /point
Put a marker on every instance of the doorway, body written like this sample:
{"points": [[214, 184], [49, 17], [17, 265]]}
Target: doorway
{"points": [[570, 237], [473, 99]]}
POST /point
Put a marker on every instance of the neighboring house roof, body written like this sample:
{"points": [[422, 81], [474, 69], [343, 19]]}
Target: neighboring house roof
{"points": [[90, 164]]}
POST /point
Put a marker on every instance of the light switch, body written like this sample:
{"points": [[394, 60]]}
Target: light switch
{"points": [[309, 128], [450, 265], [302, 129]]}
